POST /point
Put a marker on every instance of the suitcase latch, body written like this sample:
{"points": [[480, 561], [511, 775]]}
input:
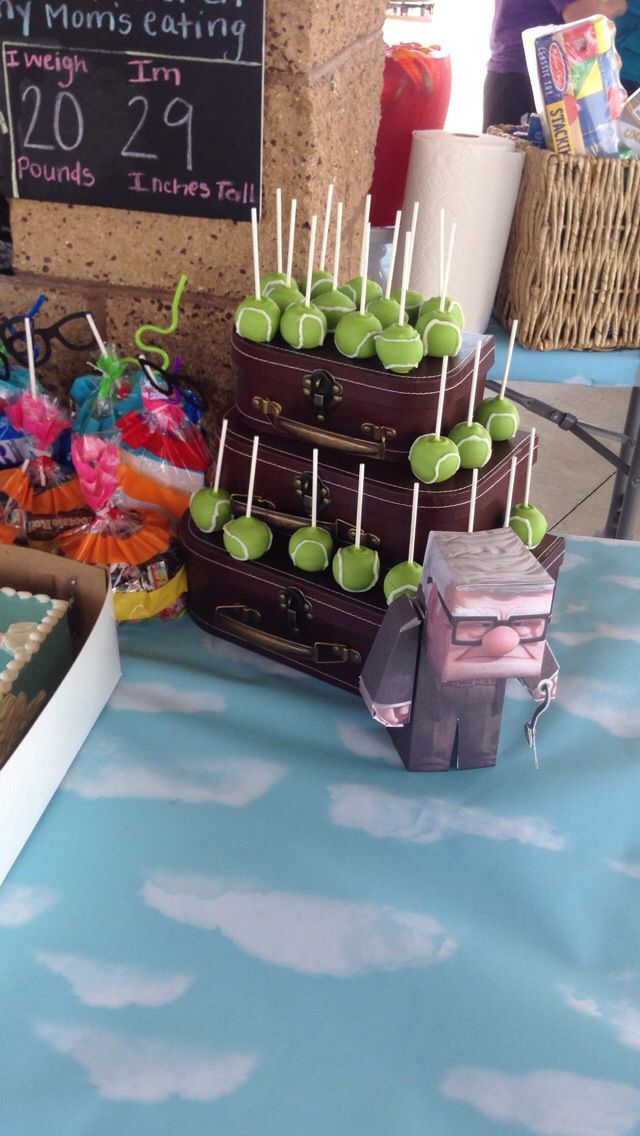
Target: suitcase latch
{"points": [[323, 391], [303, 485], [297, 608], [382, 434]]}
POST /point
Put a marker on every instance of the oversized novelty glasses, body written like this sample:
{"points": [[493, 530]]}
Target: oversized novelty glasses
{"points": [[470, 630], [71, 331]]}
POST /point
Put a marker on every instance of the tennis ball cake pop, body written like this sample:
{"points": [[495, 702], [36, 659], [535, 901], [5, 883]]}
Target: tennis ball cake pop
{"points": [[355, 335], [528, 522], [440, 335], [402, 580], [472, 440], [247, 538], [310, 549], [321, 280], [499, 416], [270, 281], [284, 294], [386, 310], [303, 326], [450, 307], [334, 304], [434, 458], [353, 290], [399, 347], [414, 302], [257, 318], [356, 568], [210, 509]]}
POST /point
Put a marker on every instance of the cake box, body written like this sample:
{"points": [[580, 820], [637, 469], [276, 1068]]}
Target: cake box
{"points": [[34, 770]]}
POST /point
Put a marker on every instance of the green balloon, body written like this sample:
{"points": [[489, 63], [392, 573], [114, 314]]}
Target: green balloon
{"points": [[440, 335], [399, 348], [353, 289], [402, 580], [335, 305], [247, 538], [303, 326], [474, 444], [356, 569], [310, 549], [257, 319], [434, 458], [285, 294], [387, 311], [320, 282], [210, 509], [529, 523], [355, 335], [500, 416], [413, 302], [450, 307]]}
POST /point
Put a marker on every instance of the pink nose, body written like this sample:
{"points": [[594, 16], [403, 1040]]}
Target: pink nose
{"points": [[500, 641]]}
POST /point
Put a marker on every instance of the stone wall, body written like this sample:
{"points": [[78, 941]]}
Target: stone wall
{"points": [[322, 88]]}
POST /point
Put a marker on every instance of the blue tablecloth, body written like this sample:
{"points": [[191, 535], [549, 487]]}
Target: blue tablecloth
{"points": [[241, 916], [591, 368]]}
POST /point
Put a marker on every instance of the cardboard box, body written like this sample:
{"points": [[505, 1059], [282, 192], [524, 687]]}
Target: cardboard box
{"points": [[36, 767]]}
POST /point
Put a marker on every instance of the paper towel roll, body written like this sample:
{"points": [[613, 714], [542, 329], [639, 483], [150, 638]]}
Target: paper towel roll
{"points": [[475, 178]]}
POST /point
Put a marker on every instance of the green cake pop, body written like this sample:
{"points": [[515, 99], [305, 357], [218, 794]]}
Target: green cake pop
{"points": [[321, 280], [286, 294], [451, 308], [528, 522], [285, 291], [353, 289], [310, 547], [272, 279], [257, 318], [355, 334], [404, 579], [210, 508], [383, 307], [413, 304], [333, 303], [247, 537], [432, 457], [499, 415], [440, 331], [399, 347], [356, 568], [472, 440], [303, 325]]}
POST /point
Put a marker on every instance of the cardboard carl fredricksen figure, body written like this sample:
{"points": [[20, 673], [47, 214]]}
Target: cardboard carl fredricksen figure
{"points": [[438, 667]]}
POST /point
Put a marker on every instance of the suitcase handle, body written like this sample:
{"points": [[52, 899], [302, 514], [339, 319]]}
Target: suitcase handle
{"points": [[243, 623], [343, 532], [316, 436]]}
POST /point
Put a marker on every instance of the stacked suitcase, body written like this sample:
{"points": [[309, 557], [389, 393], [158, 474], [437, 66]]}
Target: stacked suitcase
{"points": [[353, 411]]}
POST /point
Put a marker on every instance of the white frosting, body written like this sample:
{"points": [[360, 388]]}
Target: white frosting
{"points": [[24, 639]]}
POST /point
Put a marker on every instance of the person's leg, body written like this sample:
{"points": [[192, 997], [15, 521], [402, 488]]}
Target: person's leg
{"points": [[507, 97]]}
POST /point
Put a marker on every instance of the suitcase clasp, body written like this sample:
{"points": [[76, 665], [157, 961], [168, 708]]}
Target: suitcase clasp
{"points": [[323, 391], [297, 608], [303, 485]]}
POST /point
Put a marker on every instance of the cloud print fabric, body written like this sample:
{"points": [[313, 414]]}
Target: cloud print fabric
{"points": [[240, 914]]}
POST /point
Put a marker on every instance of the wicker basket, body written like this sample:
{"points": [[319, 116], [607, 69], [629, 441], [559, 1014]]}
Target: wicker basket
{"points": [[571, 274]]}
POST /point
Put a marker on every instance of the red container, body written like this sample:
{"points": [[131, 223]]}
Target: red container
{"points": [[415, 96]]}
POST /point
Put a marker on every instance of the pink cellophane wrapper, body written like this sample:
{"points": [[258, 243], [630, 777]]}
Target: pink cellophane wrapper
{"points": [[95, 459], [38, 416]]}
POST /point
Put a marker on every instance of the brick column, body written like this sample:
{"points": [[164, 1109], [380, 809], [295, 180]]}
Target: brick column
{"points": [[322, 88]]}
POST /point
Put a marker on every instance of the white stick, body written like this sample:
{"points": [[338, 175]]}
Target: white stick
{"points": [[96, 334], [441, 251], [367, 210], [359, 507], [292, 236], [474, 382], [472, 503], [256, 258], [32, 363], [406, 268], [443, 384], [325, 231], [336, 255], [223, 435], [394, 249], [314, 490], [512, 481], [414, 225], [312, 252], [447, 271], [252, 473], [279, 229], [414, 521], [365, 260], [507, 362], [527, 484]]}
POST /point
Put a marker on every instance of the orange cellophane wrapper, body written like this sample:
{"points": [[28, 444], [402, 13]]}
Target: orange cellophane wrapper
{"points": [[91, 546], [7, 534], [141, 488], [48, 511]]}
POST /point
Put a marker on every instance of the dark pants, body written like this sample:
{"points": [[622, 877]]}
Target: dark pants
{"points": [[507, 97]]}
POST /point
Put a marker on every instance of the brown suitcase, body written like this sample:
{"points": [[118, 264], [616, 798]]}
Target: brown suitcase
{"points": [[306, 620], [353, 406], [283, 492]]}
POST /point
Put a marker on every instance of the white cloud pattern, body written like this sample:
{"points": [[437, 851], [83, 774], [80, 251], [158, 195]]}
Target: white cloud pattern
{"points": [[226, 781], [114, 985], [626, 581], [20, 903], [367, 742], [600, 701], [627, 867], [161, 698], [146, 1070], [428, 819], [621, 1015], [548, 1102], [307, 933]]}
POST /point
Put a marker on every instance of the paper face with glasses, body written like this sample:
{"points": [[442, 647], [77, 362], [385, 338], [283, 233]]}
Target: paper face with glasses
{"points": [[488, 604]]}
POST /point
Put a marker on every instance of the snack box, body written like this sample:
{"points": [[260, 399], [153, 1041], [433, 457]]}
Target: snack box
{"points": [[294, 617], [352, 406], [34, 770], [282, 495]]}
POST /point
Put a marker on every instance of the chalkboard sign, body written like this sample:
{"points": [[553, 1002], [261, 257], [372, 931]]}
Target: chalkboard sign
{"points": [[153, 105]]}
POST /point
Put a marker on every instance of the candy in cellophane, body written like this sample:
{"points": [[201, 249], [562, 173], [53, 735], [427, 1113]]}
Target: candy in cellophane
{"points": [[575, 74], [146, 575]]}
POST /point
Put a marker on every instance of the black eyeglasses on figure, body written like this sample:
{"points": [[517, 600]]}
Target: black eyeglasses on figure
{"points": [[470, 630]]}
